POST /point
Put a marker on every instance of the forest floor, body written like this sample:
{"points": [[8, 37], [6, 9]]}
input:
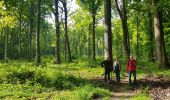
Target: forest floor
{"points": [[79, 80], [155, 87]]}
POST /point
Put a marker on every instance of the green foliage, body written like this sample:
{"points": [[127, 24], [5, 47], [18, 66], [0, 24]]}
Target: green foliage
{"points": [[90, 5], [89, 92]]}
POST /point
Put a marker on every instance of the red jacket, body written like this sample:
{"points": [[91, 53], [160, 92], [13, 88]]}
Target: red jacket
{"points": [[131, 65]]}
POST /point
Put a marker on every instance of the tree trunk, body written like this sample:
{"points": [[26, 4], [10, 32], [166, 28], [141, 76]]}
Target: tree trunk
{"points": [[126, 41], [159, 38], [30, 31], [38, 33], [66, 31], [108, 31], [57, 33], [6, 45], [122, 14], [94, 49], [65, 48], [137, 38], [151, 38], [89, 48], [20, 30]]}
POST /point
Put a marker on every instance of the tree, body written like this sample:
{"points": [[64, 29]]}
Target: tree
{"points": [[159, 37], [108, 31], [122, 13], [92, 6], [64, 2], [30, 28], [57, 33], [38, 33], [151, 38], [6, 44]]}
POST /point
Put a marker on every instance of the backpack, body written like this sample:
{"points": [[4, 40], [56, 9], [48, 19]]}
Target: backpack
{"points": [[116, 66]]}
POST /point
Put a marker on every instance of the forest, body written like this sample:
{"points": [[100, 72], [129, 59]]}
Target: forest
{"points": [[63, 49]]}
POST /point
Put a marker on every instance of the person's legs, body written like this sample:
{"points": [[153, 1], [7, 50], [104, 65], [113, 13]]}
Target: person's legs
{"points": [[129, 77], [117, 76], [105, 76], [134, 75], [109, 76]]}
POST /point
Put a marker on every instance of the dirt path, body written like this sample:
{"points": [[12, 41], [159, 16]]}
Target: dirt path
{"points": [[124, 91]]}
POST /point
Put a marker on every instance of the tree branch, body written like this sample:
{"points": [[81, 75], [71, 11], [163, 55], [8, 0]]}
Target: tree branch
{"points": [[118, 9]]}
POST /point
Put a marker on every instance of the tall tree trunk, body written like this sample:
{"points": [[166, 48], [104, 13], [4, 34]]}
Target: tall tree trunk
{"points": [[65, 48], [6, 45], [108, 31], [57, 33], [151, 38], [38, 33], [94, 49], [122, 14], [30, 31], [89, 48], [137, 37], [66, 31], [20, 30], [159, 38]]}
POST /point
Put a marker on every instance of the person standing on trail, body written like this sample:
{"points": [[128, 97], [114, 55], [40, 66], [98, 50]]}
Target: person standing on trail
{"points": [[107, 64], [117, 68], [131, 69]]}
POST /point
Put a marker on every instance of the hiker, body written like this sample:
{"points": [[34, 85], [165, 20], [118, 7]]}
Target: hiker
{"points": [[117, 68], [131, 69], [107, 64]]}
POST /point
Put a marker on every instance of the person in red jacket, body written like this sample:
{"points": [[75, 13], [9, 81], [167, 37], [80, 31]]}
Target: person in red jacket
{"points": [[131, 69]]}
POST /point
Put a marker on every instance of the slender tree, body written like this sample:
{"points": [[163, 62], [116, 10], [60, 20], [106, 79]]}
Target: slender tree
{"points": [[122, 13], [66, 30], [92, 6], [30, 29], [108, 31], [6, 45], [38, 33], [57, 33]]}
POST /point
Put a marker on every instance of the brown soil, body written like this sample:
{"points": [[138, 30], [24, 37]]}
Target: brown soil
{"points": [[159, 87]]}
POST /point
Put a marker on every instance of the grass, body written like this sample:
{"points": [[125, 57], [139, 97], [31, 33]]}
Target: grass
{"points": [[68, 81], [24, 80]]}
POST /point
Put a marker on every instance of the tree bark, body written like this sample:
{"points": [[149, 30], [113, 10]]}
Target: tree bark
{"points": [[57, 33], [122, 14], [108, 31], [151, 38], [89, 49], [137, 36], [6, 45], [66, 31], [94, 34], [20, 30], [159, 38], [38, 33], [30, 31]]}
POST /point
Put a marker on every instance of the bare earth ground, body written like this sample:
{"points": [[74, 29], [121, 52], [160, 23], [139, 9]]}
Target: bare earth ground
{"points": [[158, 88]]}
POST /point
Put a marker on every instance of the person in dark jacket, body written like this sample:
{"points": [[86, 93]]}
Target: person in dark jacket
{"points": [[131, 69], [117, 68], [107, 64]]}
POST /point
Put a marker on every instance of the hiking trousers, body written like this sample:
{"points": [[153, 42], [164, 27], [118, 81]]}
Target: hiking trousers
{"points": [[134, 75]]}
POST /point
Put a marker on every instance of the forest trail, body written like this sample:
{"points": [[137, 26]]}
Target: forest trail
{"points": [[123, 90], [119, 91], [158, 88]]}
